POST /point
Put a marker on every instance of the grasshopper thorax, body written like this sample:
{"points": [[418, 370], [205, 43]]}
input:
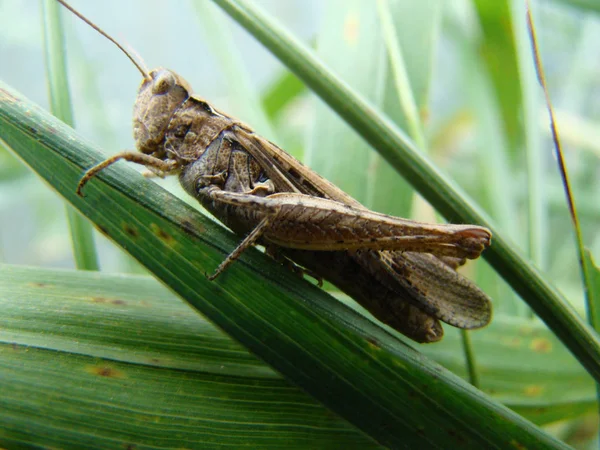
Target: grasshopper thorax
{"points": [[159, 97]]}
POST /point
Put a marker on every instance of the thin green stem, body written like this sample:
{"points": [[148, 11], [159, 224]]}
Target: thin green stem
{"points": [[82, 239], [401, 81], [470, 358]]}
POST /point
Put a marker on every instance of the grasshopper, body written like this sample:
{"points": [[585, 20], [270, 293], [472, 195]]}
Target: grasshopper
{"points": [[402, 271]]}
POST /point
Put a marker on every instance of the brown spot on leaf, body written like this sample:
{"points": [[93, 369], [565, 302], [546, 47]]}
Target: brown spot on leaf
{"points": [[105, 371], [113, 301], [162, 234], [131, 230], [424, 113], [541, 345], [39, 285], [373, 344], [533, 390]]}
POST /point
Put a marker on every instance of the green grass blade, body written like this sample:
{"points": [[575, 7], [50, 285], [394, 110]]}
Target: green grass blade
{"points": [[351, 365], [536, 196], [400, 74], [351, 42], [218, 32], [593, 276], [524, 366], [414, 28], [131, 331], [82, 239], [281, 92], [497, 47], [401, 153], [470, 358], [119, 362]]}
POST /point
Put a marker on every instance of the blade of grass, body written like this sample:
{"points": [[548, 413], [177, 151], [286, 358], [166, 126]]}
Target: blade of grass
{"points": [[470, 358], [594, 289], [119, 362], [585, 270], [526, 368], [135, 325], [82, 239], [537, 201], [413, 30], [354, 367], [543, 298], [497, 49], [218, 32], [350, 40], [280, 93], [400, 75]]}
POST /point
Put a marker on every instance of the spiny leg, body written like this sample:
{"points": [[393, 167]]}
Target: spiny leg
{"points": [[135, 157], [312, 223], [244, 245]]}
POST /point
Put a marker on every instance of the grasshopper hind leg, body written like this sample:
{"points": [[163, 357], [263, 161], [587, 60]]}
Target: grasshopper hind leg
{"points": [[248, 242]]}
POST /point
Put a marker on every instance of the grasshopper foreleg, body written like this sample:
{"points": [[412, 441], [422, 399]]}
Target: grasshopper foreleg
{"points": [[163, 167]]}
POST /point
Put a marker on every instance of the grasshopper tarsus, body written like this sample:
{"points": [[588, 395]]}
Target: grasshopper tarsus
{"points": [[213, 276]]}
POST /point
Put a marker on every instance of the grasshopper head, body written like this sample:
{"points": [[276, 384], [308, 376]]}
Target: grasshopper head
{"points": [[159, 96]]}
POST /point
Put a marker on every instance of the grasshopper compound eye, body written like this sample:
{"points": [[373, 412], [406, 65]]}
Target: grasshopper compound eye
{"points": [[163, 82]]}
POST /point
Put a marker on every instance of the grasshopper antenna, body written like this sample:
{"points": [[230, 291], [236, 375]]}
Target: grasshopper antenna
{"points": [[139, 66]]}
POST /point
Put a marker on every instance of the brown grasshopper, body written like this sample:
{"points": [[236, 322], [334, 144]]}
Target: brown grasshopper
{"points": [[402, 271]]}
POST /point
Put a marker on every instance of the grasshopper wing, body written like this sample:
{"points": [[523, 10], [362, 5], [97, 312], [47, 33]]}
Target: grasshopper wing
{"points": [[429, 283], [437, 289]]}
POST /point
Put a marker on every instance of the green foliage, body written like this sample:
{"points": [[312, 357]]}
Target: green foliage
{"points": [[478, 116]]}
